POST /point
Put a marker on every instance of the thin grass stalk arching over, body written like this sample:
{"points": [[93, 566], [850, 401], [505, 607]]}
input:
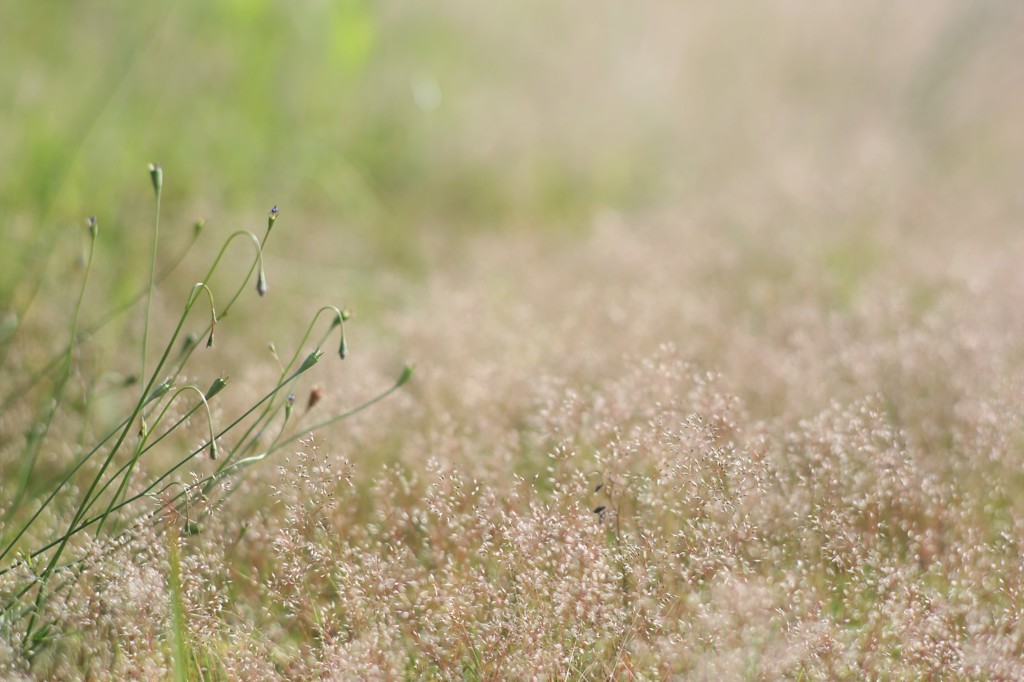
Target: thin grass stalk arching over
{"points": [[141, 447], [94, 519], [149, 412], [67, 479], [340, 316], [207, 482], [148, 391]]}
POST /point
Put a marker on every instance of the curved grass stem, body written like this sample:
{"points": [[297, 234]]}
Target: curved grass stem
{"points": [[141, 448]]}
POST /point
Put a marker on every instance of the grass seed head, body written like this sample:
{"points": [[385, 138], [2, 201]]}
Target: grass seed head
{"points": [[156, 175]]}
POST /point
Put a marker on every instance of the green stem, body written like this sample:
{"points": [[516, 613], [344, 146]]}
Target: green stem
{"points": [[142, 448], [295, 356], [157, 175], [143, 399], [75, 527]]}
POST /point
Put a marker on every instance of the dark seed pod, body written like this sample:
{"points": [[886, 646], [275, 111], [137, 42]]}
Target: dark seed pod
{"points": [[314, 397]]}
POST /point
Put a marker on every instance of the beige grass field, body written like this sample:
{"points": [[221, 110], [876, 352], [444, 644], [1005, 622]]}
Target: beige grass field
{"points": [[717, 318]]}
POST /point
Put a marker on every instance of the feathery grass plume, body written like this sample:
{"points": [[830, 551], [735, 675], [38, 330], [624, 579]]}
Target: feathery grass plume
{"points": [[821, 480]]}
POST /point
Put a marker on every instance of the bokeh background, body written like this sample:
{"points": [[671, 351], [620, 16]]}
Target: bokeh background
{"points": [[620, 241], [754, 153], [386, 129]]}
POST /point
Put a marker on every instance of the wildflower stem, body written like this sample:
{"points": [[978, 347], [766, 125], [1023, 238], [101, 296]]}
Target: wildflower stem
{"points": [[156, 173], [257, 263], [263, 418], [79, 525], [142, 447], [88, 498]]}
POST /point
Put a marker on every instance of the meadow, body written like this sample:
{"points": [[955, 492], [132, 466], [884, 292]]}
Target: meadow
{"points": [[512, 340]]}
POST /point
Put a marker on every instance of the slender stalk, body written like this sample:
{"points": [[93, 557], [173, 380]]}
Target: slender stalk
{"points": [[213, 390], [216, 476], [75, 527], [57, 489], [110, 457], [179, 631], [33, 267], [339, 321], [142, 448], [405, 376], [257, 263], [157, 175]]}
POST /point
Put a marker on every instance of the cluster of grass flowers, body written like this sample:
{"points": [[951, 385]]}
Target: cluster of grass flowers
{"points": [[791, 493], [768, 429], [99, 497]]}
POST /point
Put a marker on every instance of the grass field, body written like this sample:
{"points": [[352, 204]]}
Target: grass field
{"points": [[715, 311]]}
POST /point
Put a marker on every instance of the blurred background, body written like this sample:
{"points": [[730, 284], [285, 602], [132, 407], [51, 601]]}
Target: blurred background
{"points": [[392, 133], [528, 199]]}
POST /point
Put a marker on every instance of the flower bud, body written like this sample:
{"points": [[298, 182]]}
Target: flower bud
{"points": [[160, 390], [216, 387], [261, 282], [311, 359], [315, 396], [190, 341], [156, 174]]}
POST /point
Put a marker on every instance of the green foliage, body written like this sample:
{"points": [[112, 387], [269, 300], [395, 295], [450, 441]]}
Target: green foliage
{"points": [[148, 420]]}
